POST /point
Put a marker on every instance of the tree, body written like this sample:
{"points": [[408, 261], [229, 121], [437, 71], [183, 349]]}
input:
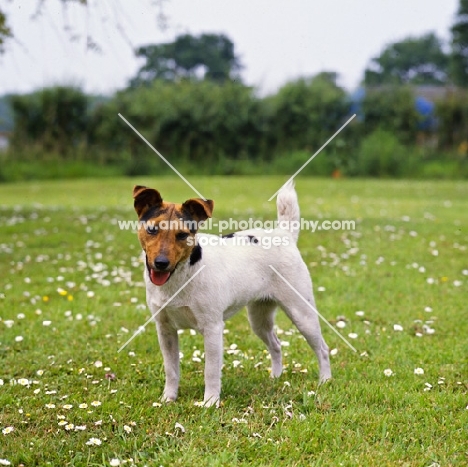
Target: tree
{"points": [[459, 57], [5, 31], [208, 56], [415, 60], [92, 9]]}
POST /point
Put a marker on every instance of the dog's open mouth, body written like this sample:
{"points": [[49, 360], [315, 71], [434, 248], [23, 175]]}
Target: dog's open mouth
{"points": [[158, 277]]}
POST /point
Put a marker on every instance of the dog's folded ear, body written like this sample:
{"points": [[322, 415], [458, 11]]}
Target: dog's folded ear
{"points": [[199, 209], [145, 198]]}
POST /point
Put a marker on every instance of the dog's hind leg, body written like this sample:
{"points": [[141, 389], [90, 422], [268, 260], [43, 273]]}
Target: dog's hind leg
{"points": [[262, 319], [307, 322]]}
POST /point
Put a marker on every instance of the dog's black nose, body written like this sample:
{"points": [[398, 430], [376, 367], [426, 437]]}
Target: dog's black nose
{"points": [[161, 263]]}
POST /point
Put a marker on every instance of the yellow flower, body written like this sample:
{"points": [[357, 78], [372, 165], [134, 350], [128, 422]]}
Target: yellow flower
{"points": [[45, 298], [70, 298]]}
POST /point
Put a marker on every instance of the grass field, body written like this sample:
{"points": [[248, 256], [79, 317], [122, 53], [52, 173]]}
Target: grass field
{"points": [[71, 294]]}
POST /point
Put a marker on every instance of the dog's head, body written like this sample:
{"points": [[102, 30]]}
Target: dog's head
{"points": [[167, 230]]}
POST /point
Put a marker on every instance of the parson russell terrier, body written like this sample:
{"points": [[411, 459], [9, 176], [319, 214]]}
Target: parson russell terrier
{"points": [[237, 272]]}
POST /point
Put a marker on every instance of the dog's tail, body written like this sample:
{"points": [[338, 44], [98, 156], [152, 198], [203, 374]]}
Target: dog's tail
{"points": [[288, 210]]}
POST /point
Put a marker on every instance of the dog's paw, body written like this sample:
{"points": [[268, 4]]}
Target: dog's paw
{"points": [[168, 398], [211, 401]]}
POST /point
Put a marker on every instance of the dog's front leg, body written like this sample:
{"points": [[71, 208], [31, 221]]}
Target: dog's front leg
{"points": [[213, 337], [169, 344]]}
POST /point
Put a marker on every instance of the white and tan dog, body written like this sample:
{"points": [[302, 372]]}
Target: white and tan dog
{"points": [[238, 270]]}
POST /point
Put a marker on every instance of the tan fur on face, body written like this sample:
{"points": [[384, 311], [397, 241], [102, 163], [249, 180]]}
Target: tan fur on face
{"points": [[165, 241]]}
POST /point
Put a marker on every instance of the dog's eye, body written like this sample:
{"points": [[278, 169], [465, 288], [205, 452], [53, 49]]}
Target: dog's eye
{"points": [[152, 229], [182, 236]]}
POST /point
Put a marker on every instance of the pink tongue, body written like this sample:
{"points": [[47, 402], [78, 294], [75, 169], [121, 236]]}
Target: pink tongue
{"points": [[159, 278]]}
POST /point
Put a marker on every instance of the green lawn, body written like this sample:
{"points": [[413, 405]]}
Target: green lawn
{"points": [[71, 294]]}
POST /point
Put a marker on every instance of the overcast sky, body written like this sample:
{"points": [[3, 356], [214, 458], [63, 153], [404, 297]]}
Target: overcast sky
{"points": [[277, 40]]}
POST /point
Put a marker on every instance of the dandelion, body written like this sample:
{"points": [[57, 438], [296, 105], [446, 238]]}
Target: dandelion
{"points": [[62, 292], [94, 442], [418, 371], [388, 372], [7, 430]]}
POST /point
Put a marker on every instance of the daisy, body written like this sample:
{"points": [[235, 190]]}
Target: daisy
{"points": [[94, 442], [388, 372], [418, 371]]}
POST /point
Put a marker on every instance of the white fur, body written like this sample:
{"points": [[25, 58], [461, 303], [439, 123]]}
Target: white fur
{"points": [[235, 276]]}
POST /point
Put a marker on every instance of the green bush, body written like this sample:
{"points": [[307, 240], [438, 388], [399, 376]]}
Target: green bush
{"points": [[391, 109], [190, 121], [381, 155], [55, 118], [306, 112], [452, 115]]}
